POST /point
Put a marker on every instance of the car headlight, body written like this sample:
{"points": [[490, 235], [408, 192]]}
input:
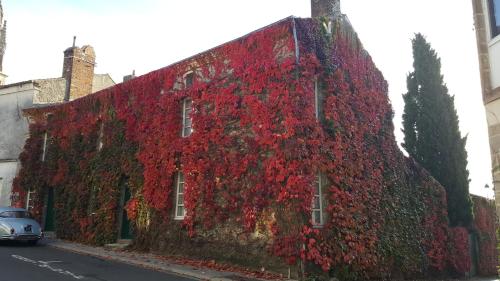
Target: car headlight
{"points": [[4, 229]]}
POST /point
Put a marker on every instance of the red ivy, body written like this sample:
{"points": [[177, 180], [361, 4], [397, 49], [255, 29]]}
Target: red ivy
{"points": [[256, 149]]}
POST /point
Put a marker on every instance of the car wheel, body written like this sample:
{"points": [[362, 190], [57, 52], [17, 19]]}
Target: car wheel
{"points": [[32, 242]]}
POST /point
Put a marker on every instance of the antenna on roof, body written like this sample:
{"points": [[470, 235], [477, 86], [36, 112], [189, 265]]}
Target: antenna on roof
{"points": [[74, 41]]}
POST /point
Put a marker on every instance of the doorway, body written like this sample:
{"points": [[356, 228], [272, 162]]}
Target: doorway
{"points": [[49, 211], [124, 222]]}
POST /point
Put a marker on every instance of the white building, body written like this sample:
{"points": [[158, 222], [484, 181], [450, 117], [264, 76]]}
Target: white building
{"points": [[487, 24], [16, 97]]}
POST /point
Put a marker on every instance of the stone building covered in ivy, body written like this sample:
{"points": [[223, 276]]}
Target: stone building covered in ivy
{"points": [[273, 150]]}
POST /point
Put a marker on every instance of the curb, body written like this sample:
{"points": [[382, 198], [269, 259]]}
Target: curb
{"points": [[162, 266]]}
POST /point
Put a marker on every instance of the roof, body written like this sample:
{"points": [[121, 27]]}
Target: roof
{"points": [[480, 197], [52, 90], [101, 82], [16, 84], [44, 104], [301, 40], [289, 19]]}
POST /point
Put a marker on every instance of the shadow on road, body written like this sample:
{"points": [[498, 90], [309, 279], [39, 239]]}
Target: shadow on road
{"points": [[17, 244]]}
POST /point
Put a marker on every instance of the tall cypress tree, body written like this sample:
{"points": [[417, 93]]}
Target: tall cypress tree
{"points": [[432, 136]]}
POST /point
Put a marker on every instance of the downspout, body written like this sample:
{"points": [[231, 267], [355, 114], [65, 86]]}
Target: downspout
{"points": [[297, 57], [297, 51]]}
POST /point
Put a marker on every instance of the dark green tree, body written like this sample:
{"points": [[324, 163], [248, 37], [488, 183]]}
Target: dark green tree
{"points": [[431, 132]]}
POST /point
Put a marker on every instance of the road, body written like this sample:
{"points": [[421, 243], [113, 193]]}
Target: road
{"points": [[21, 262]]}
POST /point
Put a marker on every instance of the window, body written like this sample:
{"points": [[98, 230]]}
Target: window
{"points": [[179, 197], [494, 7], [317, 204], [44, 151], [100, 142], [188, 79], [30, 200], [187, 121], [327, 25], [318, 100]]}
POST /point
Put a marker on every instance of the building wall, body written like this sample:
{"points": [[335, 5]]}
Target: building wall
{"points": [[12, 101], [489, 63], [494, 51], [485, 229], [8, 170], [492, 43], [14, 128]]}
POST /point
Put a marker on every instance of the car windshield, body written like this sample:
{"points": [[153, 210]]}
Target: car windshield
{"points": [[15, 214]]}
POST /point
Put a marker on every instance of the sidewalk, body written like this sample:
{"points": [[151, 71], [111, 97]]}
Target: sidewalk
{"points": [[154, 262], [158, 263]]}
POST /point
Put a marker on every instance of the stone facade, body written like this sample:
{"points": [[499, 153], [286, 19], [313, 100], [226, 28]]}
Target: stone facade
{"points": [[78, 70], [489, 54]]}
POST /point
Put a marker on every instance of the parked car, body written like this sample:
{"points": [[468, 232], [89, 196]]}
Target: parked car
{"points": [[17, 224]]}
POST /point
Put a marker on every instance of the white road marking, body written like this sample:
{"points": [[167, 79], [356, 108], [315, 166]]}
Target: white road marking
{"points": [[46, 265]]}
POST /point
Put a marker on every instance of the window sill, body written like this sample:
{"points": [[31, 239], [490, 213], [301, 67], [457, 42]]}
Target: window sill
{"points": [[494, 40]]}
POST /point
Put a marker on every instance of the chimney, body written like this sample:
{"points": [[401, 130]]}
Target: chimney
{"points": [[78, 70], [329, 9], [129, 77]]}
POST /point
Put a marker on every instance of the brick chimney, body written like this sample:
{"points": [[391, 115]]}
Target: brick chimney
{"points": [[78, 70], [329, 9]]}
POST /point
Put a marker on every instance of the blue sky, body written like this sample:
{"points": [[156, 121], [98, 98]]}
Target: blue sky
{"points": [[149, 34]]}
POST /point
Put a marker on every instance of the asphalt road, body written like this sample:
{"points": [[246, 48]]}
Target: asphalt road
{"points": [[20, 262]]}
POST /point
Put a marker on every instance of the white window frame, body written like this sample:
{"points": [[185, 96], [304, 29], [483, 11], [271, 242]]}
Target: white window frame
{"points": [[317, 209], [178, 193], [29, 199], [186, 115], [316, 98], [100, 142], [44, 152]]}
